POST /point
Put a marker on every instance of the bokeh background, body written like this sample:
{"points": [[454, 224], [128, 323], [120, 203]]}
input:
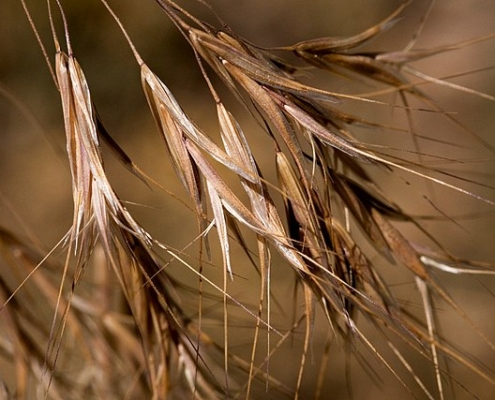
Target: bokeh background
{"points": [[35, 197]]}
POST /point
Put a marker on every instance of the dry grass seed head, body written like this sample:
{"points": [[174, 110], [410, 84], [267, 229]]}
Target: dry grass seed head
{"points": [[329, 263]]}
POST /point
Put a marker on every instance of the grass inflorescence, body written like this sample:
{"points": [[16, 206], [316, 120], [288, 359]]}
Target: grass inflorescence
{"points": [[299, 248]]}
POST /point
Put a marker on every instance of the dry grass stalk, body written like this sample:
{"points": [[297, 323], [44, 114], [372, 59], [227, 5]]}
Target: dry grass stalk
{"points": [[155, 348]]}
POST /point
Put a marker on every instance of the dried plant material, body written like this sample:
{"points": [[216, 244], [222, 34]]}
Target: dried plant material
{"points": [[126, 315]]}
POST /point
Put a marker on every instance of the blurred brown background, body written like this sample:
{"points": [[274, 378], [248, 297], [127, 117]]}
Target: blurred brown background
{"points": [[35, 180]]}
